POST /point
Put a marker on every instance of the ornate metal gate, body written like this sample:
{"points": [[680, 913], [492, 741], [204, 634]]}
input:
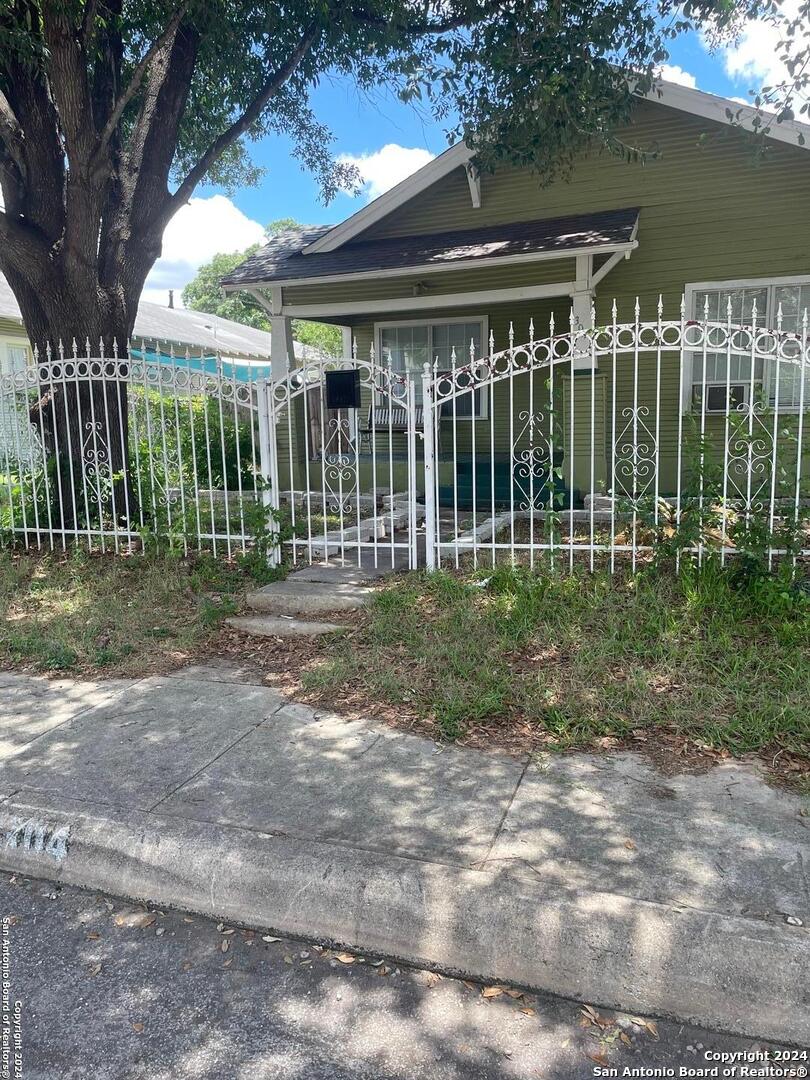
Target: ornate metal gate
{"points": [[342, 481]]}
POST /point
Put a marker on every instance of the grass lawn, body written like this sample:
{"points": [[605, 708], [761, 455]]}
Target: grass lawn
{"points": [[110, 615], [535, 660]]}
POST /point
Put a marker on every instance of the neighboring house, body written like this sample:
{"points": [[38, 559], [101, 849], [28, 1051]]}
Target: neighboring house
{"points": [[204, 341], [157, 329], [449, 257]]}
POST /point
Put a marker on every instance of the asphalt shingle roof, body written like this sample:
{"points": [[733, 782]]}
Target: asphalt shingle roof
{"points": [[281, 259]]}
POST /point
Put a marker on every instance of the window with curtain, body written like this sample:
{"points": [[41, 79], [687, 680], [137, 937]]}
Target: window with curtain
{"points": [[769, 296], [412, 345]]}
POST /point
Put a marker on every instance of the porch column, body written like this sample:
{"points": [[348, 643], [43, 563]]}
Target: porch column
{"points": [[582, 311], [585, 461], [282, 352]]}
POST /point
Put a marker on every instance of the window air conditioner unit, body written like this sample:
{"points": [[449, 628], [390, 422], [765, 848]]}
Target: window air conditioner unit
{"points": [[718, 394]]}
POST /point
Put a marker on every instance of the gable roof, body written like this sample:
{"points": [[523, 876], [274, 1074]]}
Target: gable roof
{"points": [[672, 95], [595, 233], [177, 326]]}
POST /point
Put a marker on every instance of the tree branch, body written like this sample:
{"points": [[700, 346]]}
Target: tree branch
{"points": [[252, 113], [137, 77], [88, 18], [23, 247]]}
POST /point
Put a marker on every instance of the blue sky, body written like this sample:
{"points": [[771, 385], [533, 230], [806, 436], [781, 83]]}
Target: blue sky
{"points": [[387, 140]]}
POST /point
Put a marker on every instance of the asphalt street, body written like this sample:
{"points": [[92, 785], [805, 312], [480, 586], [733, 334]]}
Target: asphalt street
{"points": [[112, 990]]}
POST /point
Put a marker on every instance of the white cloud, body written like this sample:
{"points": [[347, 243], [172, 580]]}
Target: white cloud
{"points": [[384, 168], [197, 232], [755, 56], [675, 74]]}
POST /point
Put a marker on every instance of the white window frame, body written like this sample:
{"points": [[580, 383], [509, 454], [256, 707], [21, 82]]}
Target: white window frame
{"points": [[430, 323], [9, 343], [693, 357]]}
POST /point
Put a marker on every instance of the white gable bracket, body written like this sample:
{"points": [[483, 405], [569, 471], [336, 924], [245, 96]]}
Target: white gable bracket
{"points": [[474, 180]]}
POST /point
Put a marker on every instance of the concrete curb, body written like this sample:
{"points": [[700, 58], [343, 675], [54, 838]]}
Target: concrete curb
{"points": [[738, 975]]}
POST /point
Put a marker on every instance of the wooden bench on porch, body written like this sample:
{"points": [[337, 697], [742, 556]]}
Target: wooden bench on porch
{"points": [[389, 418]]}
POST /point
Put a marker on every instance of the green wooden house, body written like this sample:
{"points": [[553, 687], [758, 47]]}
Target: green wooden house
{"points": [[451, 258]]}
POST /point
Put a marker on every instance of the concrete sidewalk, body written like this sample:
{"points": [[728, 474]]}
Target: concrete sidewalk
{"points": [[591, 877]]}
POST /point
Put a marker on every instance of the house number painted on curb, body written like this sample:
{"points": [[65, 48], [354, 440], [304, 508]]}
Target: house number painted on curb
{"points": [[38, 837]]}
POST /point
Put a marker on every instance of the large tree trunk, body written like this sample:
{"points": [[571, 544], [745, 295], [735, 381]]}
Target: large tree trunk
{"points": [[82, 411]]}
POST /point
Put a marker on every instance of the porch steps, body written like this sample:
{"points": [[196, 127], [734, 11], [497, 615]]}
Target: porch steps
{"points": [[286, 608], [278, 626], [307, 598]]}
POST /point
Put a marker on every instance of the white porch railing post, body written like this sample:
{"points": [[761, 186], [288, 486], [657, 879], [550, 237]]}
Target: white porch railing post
{"points": [[431, 535]]}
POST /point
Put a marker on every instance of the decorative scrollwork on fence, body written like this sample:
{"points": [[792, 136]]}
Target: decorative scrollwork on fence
{"points": [[97, 463], [635, 453], [749, 449], [340, 466], [533, 461]]}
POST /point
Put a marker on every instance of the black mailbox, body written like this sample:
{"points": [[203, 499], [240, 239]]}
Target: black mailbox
{"points": [[343, 389]]}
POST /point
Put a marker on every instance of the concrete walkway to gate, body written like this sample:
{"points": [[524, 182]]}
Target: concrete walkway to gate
{"points": [[593, 877]]}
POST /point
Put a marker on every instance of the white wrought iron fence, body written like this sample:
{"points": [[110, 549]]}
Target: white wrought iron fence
{"points": [[619, 441], [115, 450], [594, 446]]}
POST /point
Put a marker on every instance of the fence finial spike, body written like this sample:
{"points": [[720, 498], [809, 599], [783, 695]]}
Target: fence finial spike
{"points": [[453, 356], [614, 311], [491, 342], [36, 354], [572, 321], [372, 352], [660, 307], [48, 351], [754, 312], [531, 328], [472, 350], [115, 348], [354, 347], [551, 324], [593, 314], [706, 308], [683, 306], [511, 334], [779, 318], [637, 310]]}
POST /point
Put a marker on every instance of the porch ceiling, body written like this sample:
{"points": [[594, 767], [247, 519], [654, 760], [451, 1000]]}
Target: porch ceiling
{"points": [[282, 261]]}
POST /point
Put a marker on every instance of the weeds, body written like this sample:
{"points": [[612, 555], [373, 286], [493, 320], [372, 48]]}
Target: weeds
{"points": [[123, 615], [584, 657]]}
